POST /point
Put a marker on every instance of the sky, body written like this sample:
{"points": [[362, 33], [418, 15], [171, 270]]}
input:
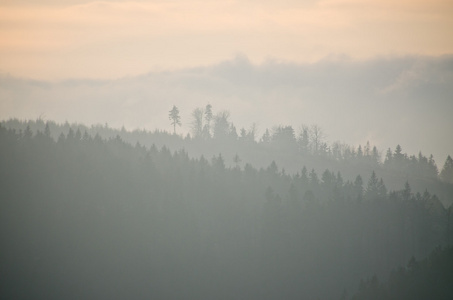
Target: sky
{"points": [[362, 70], [99, 39]]}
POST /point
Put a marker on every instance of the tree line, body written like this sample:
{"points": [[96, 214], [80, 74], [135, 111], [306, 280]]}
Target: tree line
{"points": [[213, 133], [310, 139]]}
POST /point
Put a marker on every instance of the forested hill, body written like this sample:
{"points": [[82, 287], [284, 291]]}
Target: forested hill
{"points": [[291, 150], [83, 217]]}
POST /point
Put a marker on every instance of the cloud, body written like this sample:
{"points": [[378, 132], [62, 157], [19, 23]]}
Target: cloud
{"points": [[391, 100]]}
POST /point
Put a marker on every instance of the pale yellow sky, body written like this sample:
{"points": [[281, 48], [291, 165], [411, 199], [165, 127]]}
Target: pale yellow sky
{"points": [[109, 39]]}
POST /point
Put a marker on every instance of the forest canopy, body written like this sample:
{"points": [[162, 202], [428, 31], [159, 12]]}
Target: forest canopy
{"points": [[148, 221]]}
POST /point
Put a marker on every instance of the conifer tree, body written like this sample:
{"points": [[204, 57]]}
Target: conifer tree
{"points": [[358, 187], [447, 171], [372, 190], [208, 117], [173, 115]]}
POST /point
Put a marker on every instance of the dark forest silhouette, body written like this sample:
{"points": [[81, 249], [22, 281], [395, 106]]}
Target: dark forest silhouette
{"points": [[92, 213], [429, 278], [213, 133]]}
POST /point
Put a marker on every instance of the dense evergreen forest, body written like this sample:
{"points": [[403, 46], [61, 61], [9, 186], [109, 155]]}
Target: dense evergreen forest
{"points": [[94, 213], [430, 278], [212, 134]]}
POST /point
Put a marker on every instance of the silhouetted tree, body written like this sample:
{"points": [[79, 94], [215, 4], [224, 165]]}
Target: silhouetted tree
{"points": [[359, 152], [174, 117], [266, 138], [447, 171], [221, 125], [47, 130], [358, 188], [381, 189], [372, 190], [317, 137], [304, 175], [398, 156], [208, 118], [283, 137], [388, 157], [407, 193], [375, 157], [314, 180], [304, 139], [197, 122], [237, 160]]}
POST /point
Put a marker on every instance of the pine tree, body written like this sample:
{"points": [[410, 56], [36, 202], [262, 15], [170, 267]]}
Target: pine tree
{"points": [[375, 158], [314, 177], [359, 152], [406, 193], [28, 133], [304, 140], [47, 130], [327, 177], [388, 157], [237, 160], [447, 171], [372, 190], [339, 180], [358, 187], [266, 138], [173, 115], [398, 156], [304, 175], [382, 189], [208, 118]]}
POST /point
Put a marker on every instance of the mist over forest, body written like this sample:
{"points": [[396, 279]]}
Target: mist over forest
{"points": [[197, 149], [219, 212], [387, 100]]}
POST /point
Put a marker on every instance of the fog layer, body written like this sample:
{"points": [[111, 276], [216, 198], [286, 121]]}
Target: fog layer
{"points": [[385, 101]]}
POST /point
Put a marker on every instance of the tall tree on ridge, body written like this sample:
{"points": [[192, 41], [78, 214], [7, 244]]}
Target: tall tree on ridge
{"points": [[173, 115], [221, 125], [197, 122], [208, 117], [317, 137]]}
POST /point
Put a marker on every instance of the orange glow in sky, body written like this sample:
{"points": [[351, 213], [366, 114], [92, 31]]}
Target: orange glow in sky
{"points": [[86, 39]]}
